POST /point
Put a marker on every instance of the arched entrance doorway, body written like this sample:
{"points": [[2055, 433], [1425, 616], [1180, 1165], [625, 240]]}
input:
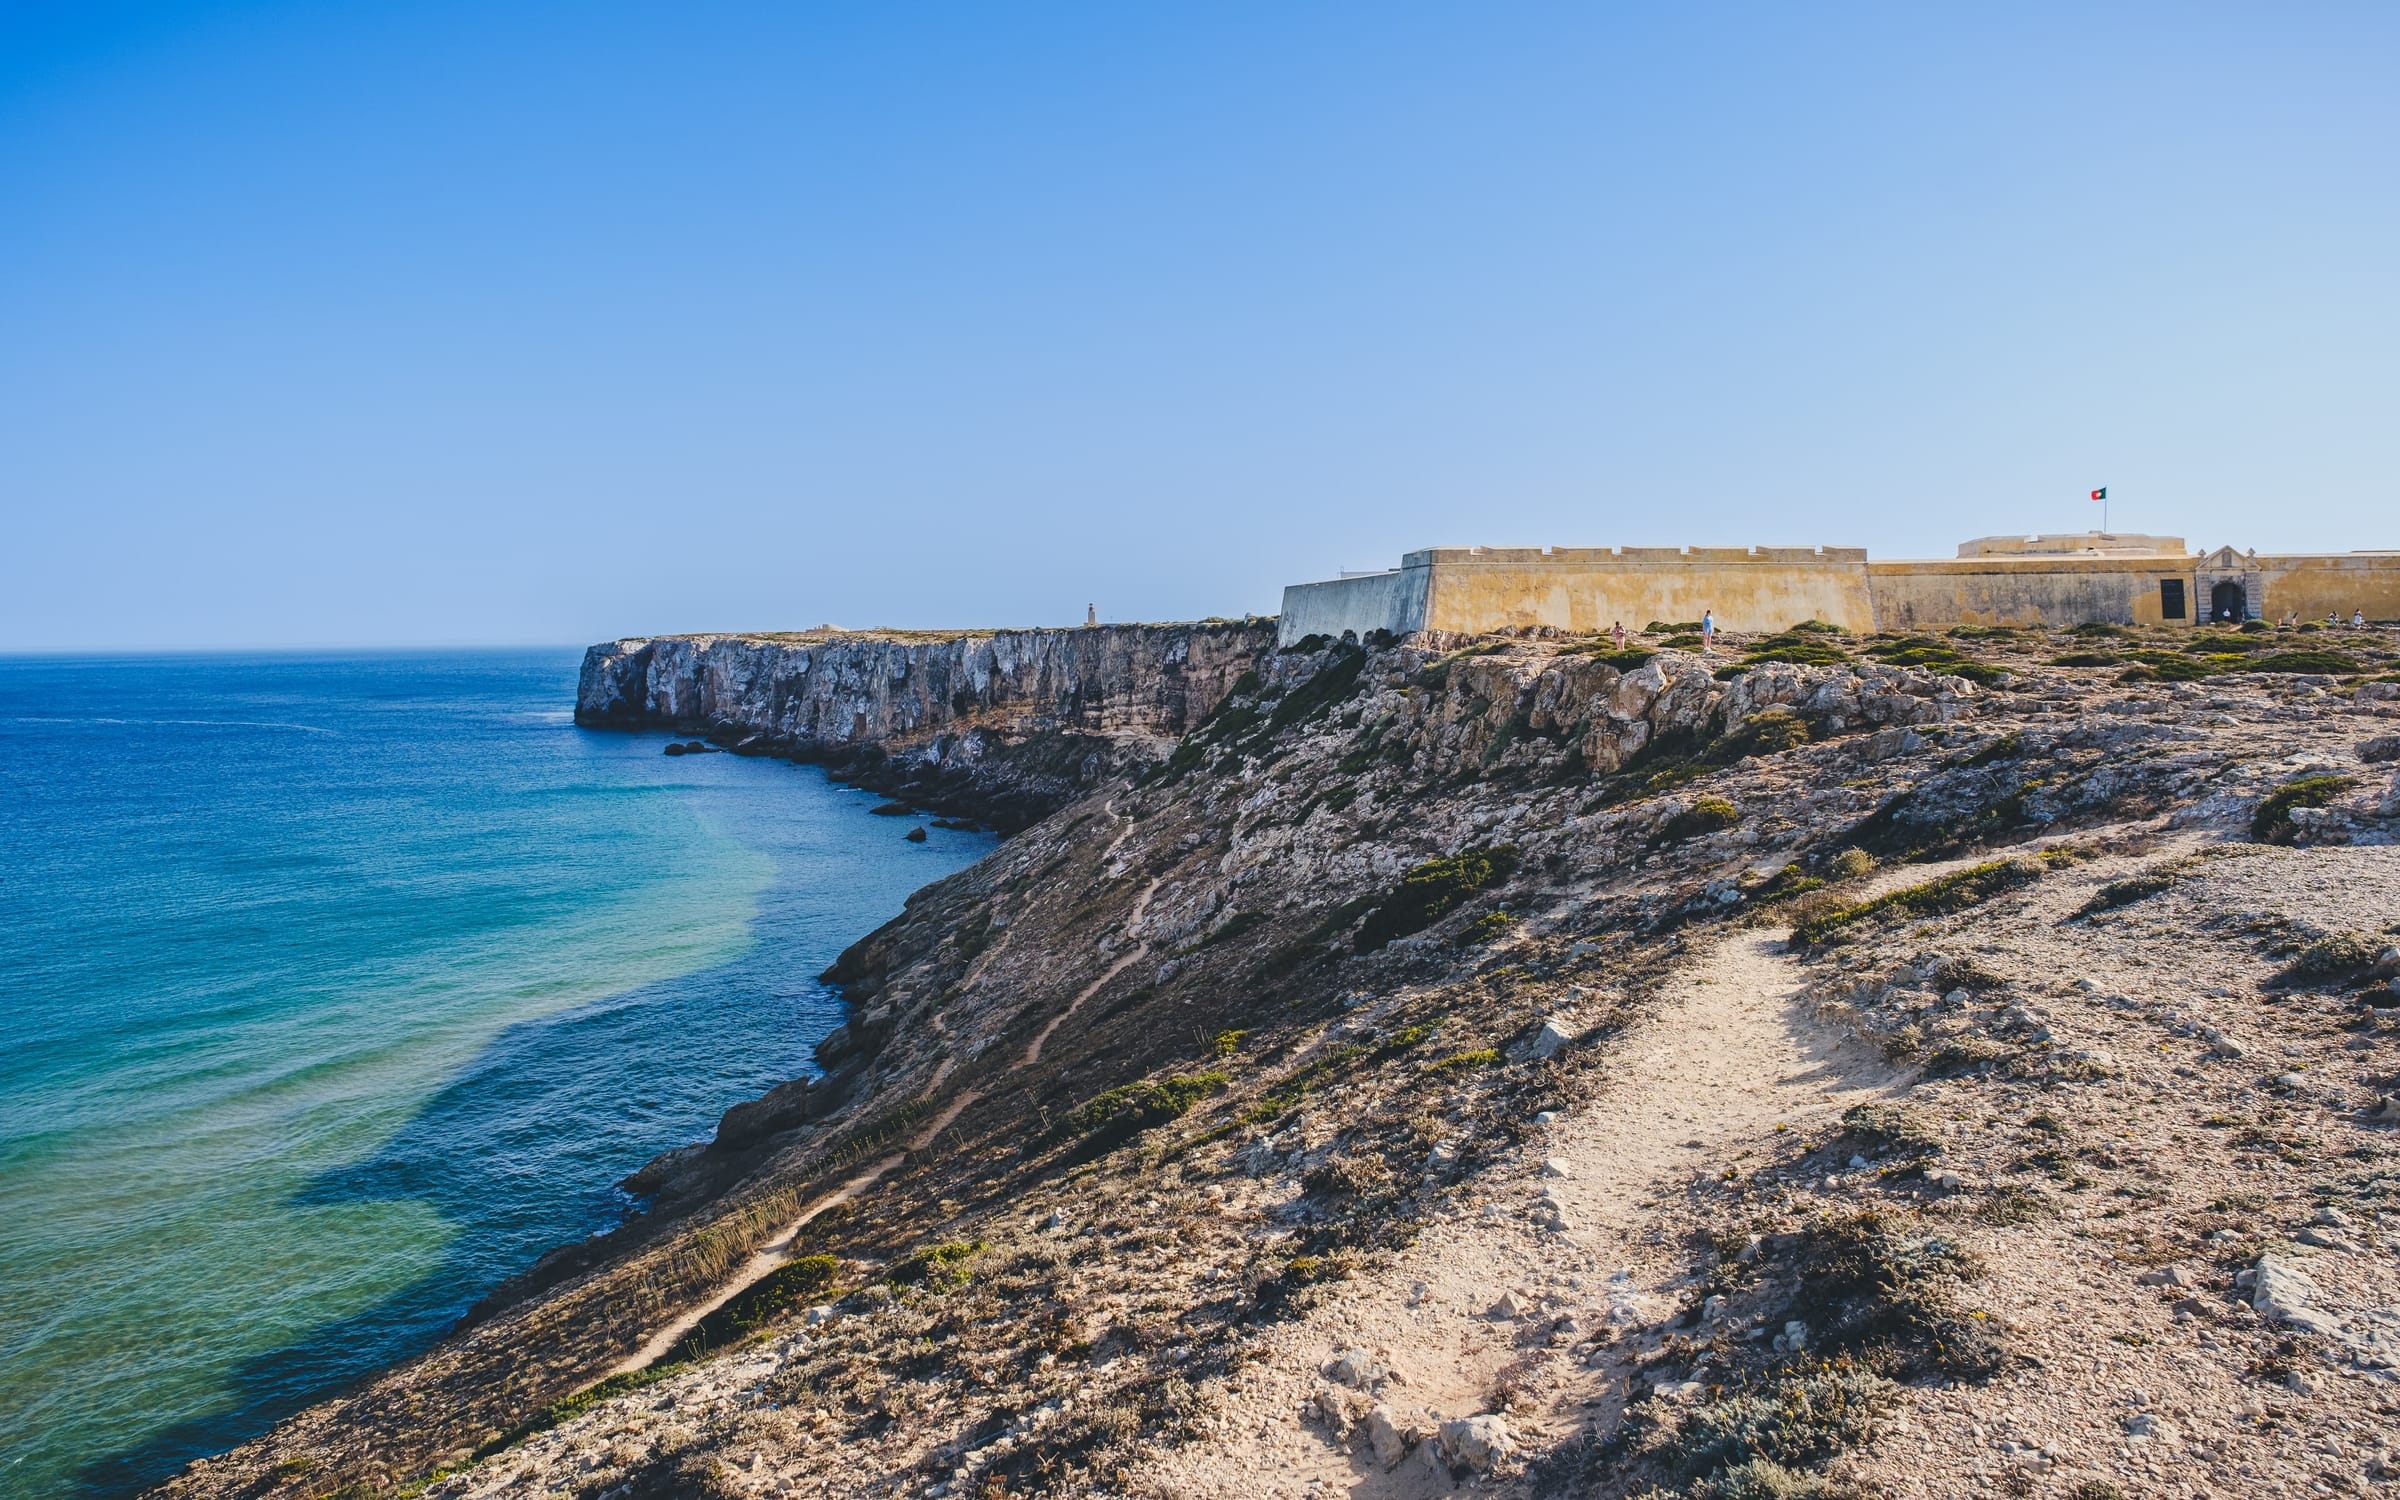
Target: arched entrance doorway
{"points": [[2227, 601]]}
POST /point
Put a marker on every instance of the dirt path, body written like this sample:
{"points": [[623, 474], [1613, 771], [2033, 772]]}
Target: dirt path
{"points": [[768, 1258], [1730, 1053]]}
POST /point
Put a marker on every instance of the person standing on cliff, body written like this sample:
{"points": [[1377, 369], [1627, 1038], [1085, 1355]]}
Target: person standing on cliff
{"points": [[1620, 634], [1708, 631]]}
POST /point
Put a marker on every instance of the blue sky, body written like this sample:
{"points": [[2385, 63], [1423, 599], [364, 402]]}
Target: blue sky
{"points": [[330, 324]]}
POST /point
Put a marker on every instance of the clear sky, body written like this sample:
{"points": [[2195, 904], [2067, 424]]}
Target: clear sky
{"points": [[494, 322]]}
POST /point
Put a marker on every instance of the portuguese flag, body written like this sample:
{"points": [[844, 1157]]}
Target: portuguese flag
{"points": [[2100, 493]]}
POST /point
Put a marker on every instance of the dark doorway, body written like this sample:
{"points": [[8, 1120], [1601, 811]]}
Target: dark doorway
{"points": [[2170, 598], [2227, 602]]}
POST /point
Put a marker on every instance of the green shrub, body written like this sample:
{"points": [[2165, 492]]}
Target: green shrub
{"points": [[1770, 731], [1227, 1043], [1765, 1479], [789, 1287], [1894, 1126], [1492, 924], [568, 1407], [944, 1268], [1886, 1297], [2126, 892], [1433, 890], [1631, 659], [1936, 656], [1118, 1115], [1851, 864], [1801, 1419], [1705, 815], [2272, 822], [2087, 659], [1480, 1057], [2166, 666], [1235, 925], [1800, 650], [1787, 883], [2093, 630], [1816, 627], [2337, 955], [1334, 683], [2007, 747], [2324, 663], [1953, 892]]}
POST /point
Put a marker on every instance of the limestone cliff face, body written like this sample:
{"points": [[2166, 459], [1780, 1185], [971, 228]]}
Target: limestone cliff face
{"points": [[1004, 724]]}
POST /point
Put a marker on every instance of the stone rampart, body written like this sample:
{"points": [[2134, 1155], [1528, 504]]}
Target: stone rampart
{"points": [[2329, 583], [1466, 590], [2126, 580], [2000, 590], [1359, 604]]}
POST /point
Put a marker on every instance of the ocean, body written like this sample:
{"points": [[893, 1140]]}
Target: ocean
{"points": [[335, 989]]}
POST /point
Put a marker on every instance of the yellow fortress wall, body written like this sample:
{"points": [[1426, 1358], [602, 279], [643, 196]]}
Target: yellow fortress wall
{"points": [[2037, 580], [1593, 588]]}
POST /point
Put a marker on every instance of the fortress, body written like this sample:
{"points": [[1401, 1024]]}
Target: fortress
{"points": [[2005, 580]]}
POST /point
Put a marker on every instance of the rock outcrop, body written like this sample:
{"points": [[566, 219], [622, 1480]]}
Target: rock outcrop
{"points": [[1002, 725]]}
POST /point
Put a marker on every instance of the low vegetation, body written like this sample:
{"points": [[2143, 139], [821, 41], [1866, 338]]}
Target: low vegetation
{"points": [[1433, 890], [1705, 815], [2272, 822], [1116, 1116], [1953, 892]]}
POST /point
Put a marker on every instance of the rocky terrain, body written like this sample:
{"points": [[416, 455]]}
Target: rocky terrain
{"points": [[1930, 1065], [1001, 725]]}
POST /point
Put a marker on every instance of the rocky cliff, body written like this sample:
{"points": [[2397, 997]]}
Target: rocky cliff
{"points": [[1947, 1067], [1006, 725]]}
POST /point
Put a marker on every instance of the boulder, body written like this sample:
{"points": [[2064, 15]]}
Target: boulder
{"points": [[2282, 1292], [1555, 1034], [1387, 1436], [1357, 1369], [1476, 1442], [661, 1169]]}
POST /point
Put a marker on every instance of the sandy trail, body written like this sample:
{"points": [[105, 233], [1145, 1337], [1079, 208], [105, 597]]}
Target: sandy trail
{"points": [[1731, 1052], [765, 1261]]}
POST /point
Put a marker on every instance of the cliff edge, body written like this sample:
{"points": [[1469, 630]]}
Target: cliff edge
{"points": [[1004, 725]]}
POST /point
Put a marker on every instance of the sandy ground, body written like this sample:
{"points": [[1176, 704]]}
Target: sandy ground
{"points": [[1732, 1053]]}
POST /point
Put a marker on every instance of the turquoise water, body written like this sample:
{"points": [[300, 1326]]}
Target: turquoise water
{"points": [[335, 990]]}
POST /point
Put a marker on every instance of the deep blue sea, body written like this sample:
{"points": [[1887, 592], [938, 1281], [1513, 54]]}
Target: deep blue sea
{"points": [[334, 990]]}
